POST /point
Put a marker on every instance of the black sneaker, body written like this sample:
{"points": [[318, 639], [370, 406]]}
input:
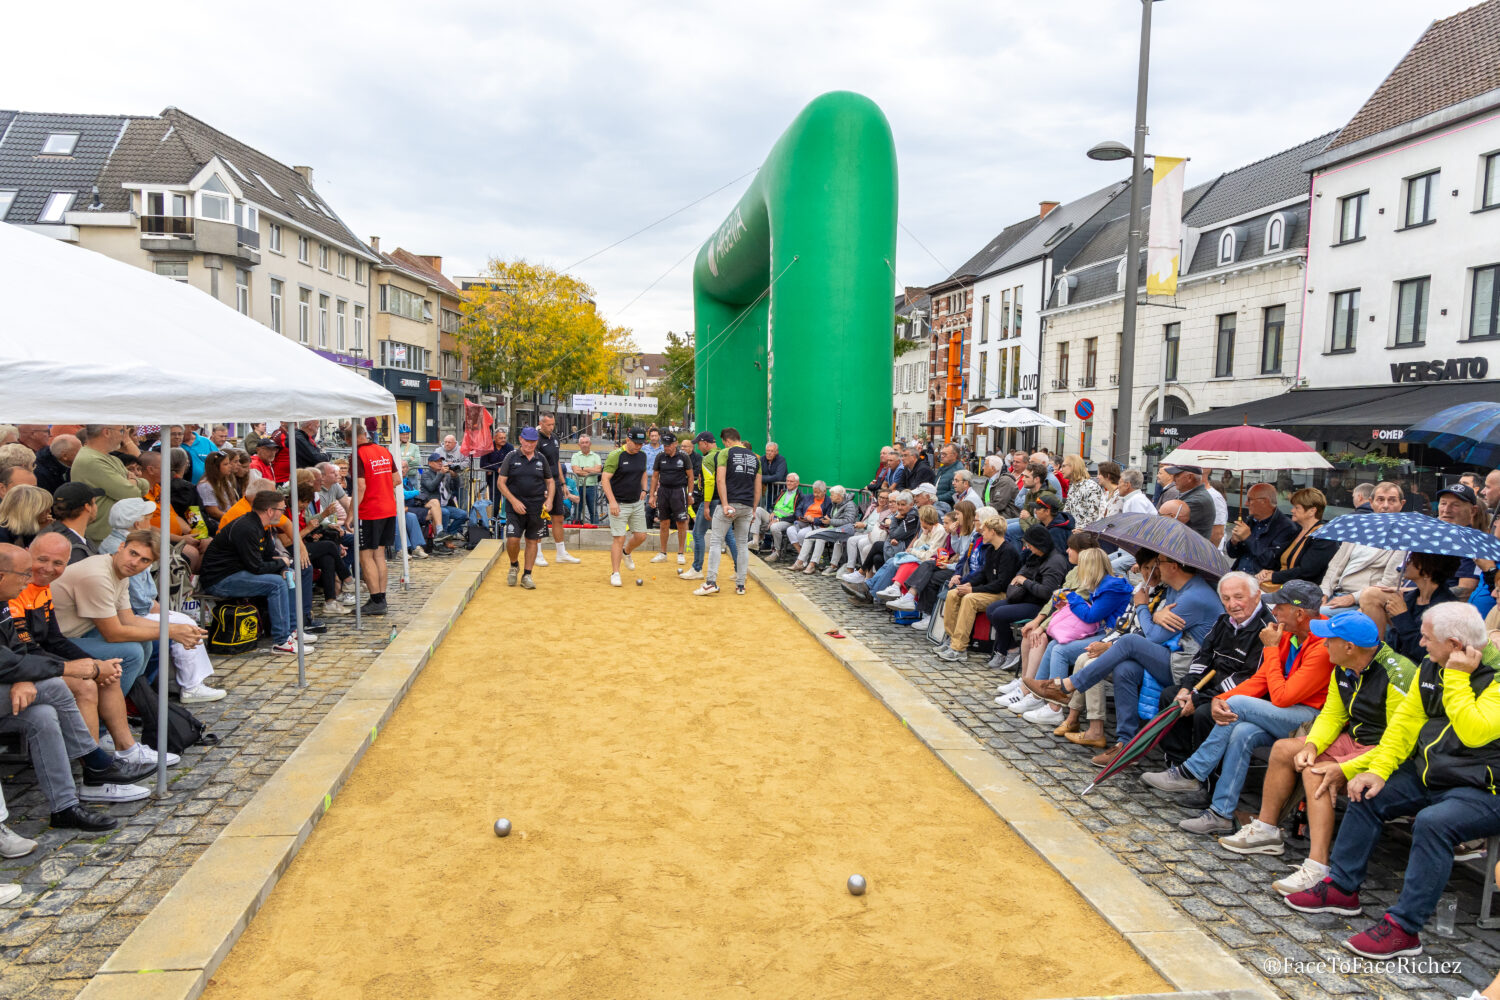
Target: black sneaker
{"points": [[79, 818], [121, 772], [313, 626], [373, 607]]}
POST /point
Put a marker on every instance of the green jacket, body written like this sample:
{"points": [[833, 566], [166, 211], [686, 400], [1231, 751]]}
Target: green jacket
{"points": [[105, 472]]}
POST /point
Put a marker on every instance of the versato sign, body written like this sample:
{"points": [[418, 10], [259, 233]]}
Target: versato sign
{"points": [[1453, 369]]}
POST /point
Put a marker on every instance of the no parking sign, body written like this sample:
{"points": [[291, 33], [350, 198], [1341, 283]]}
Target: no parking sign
{"points": [[1084, 408]]}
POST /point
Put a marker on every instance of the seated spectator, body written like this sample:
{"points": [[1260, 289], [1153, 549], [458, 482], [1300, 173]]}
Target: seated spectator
{"points": [[1286, 692], [1049, 513], [18, 456], [924, 545], [1435, 762], [782, 515], [198, 448], [178, 531], [322, 549], [924, 583], [978, 588], [812, 515], [1086, 502], [1305, 557], [1229, 655], [925, 495], [1188, 480], [902, 526], [9, 434], [869, 531], [25, 513], [1041, 572], [439, 492], [242, 562], [1369, 681], [999, 488], [963, 489], [12, 476], [37, 701], [219, 436], [1398, 613], [263, 465], [1460, 505], [1261, 535], [914, 471], [1168, 640], [1353, 567], [885, 472], [219, 488], [73, 510], [1166, 486], [1221, 511], [1360, 497], [840, 519], [98, 466]]}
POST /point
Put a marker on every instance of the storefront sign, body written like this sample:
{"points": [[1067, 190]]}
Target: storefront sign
{"points": [[410, 383], [1387, 434], [1440, 371]]}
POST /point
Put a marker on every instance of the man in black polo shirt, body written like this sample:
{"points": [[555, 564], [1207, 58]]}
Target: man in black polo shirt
{"points": [[737, 482], [547, 445], [526, 482], [1190, 490], [671, 485], [624, 485]]}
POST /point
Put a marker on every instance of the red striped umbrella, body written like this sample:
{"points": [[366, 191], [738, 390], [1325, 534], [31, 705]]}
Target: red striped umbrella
{"points": [[1243, 447]]}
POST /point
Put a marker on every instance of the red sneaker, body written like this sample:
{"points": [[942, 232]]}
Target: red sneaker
{"points": [[1325, 897], [1385, 940]]}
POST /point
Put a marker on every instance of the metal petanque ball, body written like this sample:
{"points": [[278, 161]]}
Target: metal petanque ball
{"points": [[502, 829], [639, 582], [856, 885]]}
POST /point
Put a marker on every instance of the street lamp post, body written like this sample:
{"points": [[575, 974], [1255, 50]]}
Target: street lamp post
{"points": [[1120, 433]]}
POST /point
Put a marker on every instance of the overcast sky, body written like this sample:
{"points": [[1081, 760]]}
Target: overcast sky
{"points": [[550, 131]]}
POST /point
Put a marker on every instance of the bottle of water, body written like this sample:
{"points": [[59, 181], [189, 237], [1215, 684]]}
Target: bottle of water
{"points": [[1447, 914], [291, 578]]}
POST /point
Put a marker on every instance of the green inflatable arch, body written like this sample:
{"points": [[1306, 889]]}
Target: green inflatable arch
{"points": [[793, 296]]}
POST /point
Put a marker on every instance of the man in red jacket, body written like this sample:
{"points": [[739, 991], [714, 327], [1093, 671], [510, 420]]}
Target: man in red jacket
{"points": [[1288, 690]]}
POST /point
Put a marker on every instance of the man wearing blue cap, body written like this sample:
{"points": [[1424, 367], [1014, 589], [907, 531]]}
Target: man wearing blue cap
{"points": [[526, 483], [1369, 680]]}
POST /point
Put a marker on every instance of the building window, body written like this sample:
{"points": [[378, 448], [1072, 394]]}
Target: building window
{"points": [[359, 329], [1172, 336], [58, 203], [984, 320], [177, 270], [323, 321], [247, 217], [452, 321], [403, 303], [1419, 199], [304, 314], [1005, 314], [303, 248], [1062, 365], [6, 198], [1224, 347], [1272, 334], [1352, 217], [1345, 321], [242, 290], [1484, 304], [407, 357], [1411, 311], [1015, 371], [276, 287], [1004, 375], [984, 376], [1490, 196], [343, 265], [264, 184], [323, 256], [274, 239], [359, 272], [1061, 416], [1276, 233], [60, 144], [214, 201], [1090, 361], [1226, 247], [338, 325], [1015, 312]]}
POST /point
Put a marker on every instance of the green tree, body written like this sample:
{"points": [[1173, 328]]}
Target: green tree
{"points": [[531, 328], [674, 393], [902, 344]]}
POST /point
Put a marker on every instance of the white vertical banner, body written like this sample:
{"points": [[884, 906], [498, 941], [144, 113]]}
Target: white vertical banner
{"points": [[1164, 241]]}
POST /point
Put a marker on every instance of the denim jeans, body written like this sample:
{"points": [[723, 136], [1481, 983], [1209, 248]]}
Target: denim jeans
{"points": [[413, 534], [1013, 532], [1229, 747], [454, 520], [133, 656], [883, 576], [589, 498], [701, 529], [1128, 659], [268, 585], [55, 735], [1444, 819], [1057, 659]]}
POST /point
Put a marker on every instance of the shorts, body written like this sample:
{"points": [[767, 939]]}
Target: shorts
{"points": [[632, 517], [671, 503], [1342, 749], [377, 533], [529, 525], [559, 509]]}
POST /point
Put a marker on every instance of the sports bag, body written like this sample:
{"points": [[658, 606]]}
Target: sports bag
{"points": [[183, 728], [235, 628]]}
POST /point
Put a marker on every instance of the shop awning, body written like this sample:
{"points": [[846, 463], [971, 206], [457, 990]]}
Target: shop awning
{"points": [[1364, 413]]}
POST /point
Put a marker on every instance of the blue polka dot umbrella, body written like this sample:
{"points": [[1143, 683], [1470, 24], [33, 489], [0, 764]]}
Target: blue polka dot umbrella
{"points": [[1468, 432], [1412, 532]]}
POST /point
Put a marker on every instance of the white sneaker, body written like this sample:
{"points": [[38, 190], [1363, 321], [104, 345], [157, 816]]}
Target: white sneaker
{"points": [[347, 597], [541, 560], [112, 793], [9, 893], [141, 753], [1011, 698], [894, 590], [629, 562], [853, 576], [333, 609], [13, 845], [419, 553], [614, 580], [1307, 875], [1009, 687], [201, 693], [1025, 703], [659, 557], [706, 589], [566, 557], [681, 559], [906, 602], [692, 574], [287, 645], [922, 622], [1047, 715]]}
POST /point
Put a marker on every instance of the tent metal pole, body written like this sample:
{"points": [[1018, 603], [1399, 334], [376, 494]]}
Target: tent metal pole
{"points": [[354, 495], [401, 510], [164, 614], [297, 586]]}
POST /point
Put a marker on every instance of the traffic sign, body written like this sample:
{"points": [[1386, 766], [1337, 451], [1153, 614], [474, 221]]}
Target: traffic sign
{"points": [[1084, 409]]}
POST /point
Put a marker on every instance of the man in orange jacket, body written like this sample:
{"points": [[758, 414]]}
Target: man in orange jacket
{"points": [[1288, 690]]}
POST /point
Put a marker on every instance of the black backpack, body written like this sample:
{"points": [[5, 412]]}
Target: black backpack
{"points": [[235, 628], [183, 728]]}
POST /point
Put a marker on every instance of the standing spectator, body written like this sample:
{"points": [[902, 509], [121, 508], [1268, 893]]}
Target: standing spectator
{"points": [[410, 455], [55, 462], [490, 462], [1221, 510], [737, 479], [1262, 534], [375, 500], [301, 438], [773, 468], [452, 454], [587, 467], [73, 508], [242, 562], [198, 448], [652, 450], [1166, 489], [96, 466], [1305, 557], [25, 513]]}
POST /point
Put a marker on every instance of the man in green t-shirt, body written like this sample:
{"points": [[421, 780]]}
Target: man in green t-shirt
{"points": [[587, 464], [737, 484]]}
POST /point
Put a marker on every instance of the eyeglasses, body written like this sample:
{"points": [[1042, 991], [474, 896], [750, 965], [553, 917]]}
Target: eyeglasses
{"points": [[10, 572]]}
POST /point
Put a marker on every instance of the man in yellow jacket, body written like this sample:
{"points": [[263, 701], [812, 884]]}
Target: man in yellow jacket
{"points": [[1438, 761]]}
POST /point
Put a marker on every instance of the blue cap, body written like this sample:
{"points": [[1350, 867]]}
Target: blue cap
{"points": [[529, 434], [437, 456], [404, 429], [1351, 626]]}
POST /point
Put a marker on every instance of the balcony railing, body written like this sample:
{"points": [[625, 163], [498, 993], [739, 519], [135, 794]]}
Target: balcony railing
{"points": [[1114, 380], [1087, 382], [248, 238], [1059, 383], [166, 225]]}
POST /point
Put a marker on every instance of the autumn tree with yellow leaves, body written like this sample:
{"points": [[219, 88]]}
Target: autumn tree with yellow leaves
{"points": [[531, 328]]}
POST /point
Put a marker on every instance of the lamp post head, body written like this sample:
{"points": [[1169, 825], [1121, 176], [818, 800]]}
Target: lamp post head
{"points": [[1110, 150]]}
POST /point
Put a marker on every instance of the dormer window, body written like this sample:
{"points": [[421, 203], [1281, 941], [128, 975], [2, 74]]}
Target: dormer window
{"points": [[1276, 233], [60, 144], [1065, 284], [214, 200], [1226, 247], [1120, 277]]}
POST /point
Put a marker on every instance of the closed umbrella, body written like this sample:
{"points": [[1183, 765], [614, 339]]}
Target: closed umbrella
{"points": [[1409, 531], [1469, 432], [1146, 740], [1166, 535]]}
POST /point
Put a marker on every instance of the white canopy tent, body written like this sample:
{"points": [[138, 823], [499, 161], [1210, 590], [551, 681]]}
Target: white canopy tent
{"points": [[89, 339], [994, 419]]}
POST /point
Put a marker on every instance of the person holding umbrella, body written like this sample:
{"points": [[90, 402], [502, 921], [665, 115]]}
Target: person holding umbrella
{"points": [[1287, 691], [1369, 681], [1261, 534], [1435, 762]]}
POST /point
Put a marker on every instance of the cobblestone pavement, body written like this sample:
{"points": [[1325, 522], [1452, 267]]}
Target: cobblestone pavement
{"points": [[1229, 896], [84, 895]]}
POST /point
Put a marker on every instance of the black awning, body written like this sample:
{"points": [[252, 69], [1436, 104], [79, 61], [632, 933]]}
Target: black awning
{"points": [[1356, 414]]}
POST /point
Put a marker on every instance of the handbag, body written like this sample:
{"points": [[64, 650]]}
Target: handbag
{"points": [[1065, 626]]}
